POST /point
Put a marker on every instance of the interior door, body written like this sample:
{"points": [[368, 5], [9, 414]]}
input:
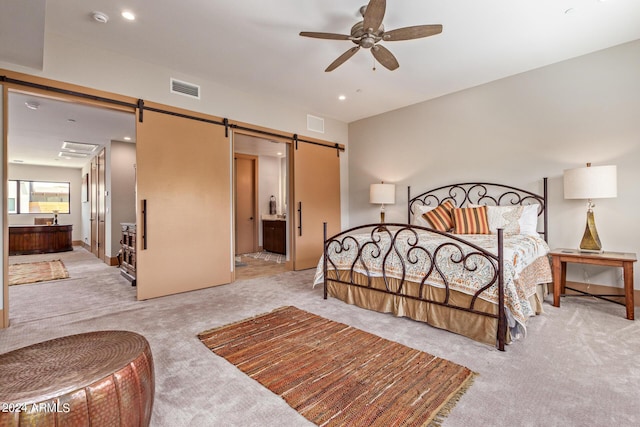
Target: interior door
{"points": [[183, 205], [101, 205], [246, 220], [316, 200], [94, 206]]}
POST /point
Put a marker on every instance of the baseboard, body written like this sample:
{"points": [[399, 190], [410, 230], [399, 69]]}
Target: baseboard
{"points": [[85, 246], [602, 289], [112, 261], [77, 243]]}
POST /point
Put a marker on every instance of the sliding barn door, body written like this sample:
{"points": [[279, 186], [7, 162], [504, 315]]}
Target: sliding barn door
{"points": [[316, 200], [183, 205]]}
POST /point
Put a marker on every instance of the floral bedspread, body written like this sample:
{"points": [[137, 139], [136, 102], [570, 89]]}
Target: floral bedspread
{"points": [[520, 251]]}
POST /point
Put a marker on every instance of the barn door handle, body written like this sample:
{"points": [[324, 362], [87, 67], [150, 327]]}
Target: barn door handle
{"points": [[144, 224], [251, 218], [299, 218]]}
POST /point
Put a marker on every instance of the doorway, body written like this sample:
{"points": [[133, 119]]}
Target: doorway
{"points": [[246, 196], [53, 140], [261, 173]]}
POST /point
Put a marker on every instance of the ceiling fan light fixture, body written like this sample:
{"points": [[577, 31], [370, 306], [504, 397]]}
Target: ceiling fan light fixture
{"points": [[32, 105], [367, 42]]}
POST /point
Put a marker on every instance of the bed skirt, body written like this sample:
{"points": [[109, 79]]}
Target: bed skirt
{"points": [[475, 326]]}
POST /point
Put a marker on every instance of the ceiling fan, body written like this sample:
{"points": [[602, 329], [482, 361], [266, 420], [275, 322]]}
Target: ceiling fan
{"points": [[368, 32]]}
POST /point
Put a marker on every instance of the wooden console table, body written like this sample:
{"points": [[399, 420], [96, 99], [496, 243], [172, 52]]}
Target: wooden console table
{"points": [[39, 239], [560, 258]]}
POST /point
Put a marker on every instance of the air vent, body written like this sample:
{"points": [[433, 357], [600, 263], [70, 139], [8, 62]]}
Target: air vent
{"points": [[315, 124], [184, 88], [79, 147]]}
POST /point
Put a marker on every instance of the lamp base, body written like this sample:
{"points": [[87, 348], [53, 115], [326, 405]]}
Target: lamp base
{"points": [[382, 217], [590, 240]]}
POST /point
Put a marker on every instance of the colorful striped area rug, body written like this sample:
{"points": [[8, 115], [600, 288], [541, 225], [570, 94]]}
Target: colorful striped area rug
{"points": [[336, 375], [32, 272]]}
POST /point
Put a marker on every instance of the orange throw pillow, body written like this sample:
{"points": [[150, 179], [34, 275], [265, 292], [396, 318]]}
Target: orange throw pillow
{"points": [[471, 220], [440, 218]]}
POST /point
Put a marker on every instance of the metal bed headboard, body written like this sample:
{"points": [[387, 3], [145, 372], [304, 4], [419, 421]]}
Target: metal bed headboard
{"points": [[482, 193]]}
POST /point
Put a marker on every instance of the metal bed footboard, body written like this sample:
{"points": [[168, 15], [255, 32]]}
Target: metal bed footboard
{"points": [[407, 245]]}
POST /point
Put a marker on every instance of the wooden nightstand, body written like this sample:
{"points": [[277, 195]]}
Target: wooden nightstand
{"points": [[560, 258]]}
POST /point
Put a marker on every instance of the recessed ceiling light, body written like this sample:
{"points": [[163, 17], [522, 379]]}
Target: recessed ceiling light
{"points": [[279, 154], [71, 120], [342, 97], [18, 161], [127, 138], [32, 105], [100, 17], [128, 15], [569, 11]]}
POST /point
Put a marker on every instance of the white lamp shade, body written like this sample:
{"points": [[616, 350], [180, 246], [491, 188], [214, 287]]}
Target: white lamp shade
{"points": [[592, 182], [382, 193]]}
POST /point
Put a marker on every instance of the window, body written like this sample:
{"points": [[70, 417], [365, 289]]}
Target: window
{"points": [[38, 197]]}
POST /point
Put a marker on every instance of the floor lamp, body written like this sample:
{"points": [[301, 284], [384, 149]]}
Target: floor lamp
{"points": [[591, 182]]}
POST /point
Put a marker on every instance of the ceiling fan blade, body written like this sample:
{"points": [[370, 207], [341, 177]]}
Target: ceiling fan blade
{"points": [[342, 58], [408, 33], [385, 57], [373, 15], [330, 36]]}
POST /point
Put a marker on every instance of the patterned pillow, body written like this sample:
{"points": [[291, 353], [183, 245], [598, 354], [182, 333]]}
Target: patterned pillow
{"points": [[505, 217], [440, 218], [471, 220]]}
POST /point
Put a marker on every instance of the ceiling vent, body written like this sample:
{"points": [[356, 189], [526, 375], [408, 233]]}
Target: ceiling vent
{"points": [[184, 88], [79, 147], [315, 124]]}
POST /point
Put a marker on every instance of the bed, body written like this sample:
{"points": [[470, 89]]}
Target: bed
{"points": [[483, 280]]}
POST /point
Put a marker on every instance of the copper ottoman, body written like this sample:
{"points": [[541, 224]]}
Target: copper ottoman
{"points": [[100, 378]]}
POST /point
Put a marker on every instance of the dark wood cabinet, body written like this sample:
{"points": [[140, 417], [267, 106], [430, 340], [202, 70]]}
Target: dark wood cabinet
{"points": [[274, 236], [128, 261], [39, 239]]}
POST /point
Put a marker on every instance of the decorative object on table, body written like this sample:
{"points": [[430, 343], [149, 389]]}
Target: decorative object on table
{"points": [[32, 272], [102, 378], [272, 205], [335, 374], [55, 216], [590, 182], [384, 194]]}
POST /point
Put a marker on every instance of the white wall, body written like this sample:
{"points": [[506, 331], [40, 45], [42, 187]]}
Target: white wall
{"points": [[516, 131], [122, 194], [55, 174]]}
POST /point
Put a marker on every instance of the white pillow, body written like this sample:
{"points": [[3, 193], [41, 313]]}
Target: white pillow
{"points": [[418, 219], [529, 220], [513, 219]]}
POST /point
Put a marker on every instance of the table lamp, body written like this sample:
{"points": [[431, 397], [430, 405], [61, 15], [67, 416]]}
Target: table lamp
{"points": [[384, 194], [591, 182]]}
